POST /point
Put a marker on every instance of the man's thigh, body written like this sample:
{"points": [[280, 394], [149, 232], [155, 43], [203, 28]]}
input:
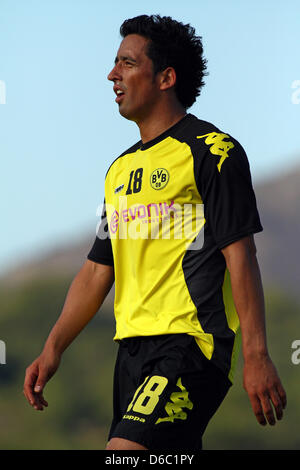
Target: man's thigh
{"points": [[117, 443]]}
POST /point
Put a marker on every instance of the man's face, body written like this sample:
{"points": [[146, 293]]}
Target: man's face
{"points": [[133, 76]]}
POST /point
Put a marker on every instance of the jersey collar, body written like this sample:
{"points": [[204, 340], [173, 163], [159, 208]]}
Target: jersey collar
{"points": [[187, 118]]}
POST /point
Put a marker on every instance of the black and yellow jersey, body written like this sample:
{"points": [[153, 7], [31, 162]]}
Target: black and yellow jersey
{"points": [[171, 205]]}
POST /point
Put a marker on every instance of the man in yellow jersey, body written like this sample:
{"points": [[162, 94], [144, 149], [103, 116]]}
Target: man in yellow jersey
{"points": [[176, 237]]}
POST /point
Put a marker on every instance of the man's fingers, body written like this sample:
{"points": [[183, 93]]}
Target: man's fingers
{"points": [[43, 401], [36, 377], [30, 379], [40, 402], [282, 394], [35, 381], [263, 410], [278, 397], [40, 382], [266, 393], [267, 408], [257, 409], [277, 403]]}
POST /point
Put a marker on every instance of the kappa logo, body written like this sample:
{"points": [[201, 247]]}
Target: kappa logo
{"points": [[178, 401], [159, 178], [219, 146], [119, 188], [2, 352]]}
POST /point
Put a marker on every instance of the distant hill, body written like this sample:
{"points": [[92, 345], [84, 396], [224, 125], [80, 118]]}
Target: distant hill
{"points": [[278, 201]]}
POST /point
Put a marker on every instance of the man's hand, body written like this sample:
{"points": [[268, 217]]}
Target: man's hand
{"points": [[264, 388], [37, 375]]}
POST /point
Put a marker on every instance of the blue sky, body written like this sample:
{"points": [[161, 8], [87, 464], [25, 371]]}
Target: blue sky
{"points": [[60, 128]]}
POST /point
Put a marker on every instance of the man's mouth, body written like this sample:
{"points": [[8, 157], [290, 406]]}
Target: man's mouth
{"points": [[119, 97], [119, 93]]}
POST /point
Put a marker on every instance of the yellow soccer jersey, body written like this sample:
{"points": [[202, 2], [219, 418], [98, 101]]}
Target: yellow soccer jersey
{"points": [[171, 205]]}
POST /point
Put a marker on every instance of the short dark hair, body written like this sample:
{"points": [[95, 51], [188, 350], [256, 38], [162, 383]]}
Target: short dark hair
{"points": [[172, 44]]}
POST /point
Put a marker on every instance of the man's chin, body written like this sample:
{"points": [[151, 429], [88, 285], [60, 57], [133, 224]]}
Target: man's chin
{"points": [[125, 113]]}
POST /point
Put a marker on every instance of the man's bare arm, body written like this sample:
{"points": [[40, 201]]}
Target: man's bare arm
{"points": [[84, 298], [261, 380]]}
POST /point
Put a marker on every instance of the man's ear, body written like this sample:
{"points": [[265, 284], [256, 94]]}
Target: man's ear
{"points": [[167, 78]]}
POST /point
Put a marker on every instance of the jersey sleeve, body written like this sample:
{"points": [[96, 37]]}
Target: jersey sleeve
{"points": [[101, 251], [225, 185]]}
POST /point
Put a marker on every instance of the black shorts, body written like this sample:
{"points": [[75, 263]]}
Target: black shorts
{"points": [[165, 392]]}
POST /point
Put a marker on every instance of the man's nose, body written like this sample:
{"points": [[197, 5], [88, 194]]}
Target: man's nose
{"points": [[114, 74]]}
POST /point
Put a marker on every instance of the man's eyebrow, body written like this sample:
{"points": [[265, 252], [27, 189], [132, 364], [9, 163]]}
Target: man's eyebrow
{"points": [[123, 57]]}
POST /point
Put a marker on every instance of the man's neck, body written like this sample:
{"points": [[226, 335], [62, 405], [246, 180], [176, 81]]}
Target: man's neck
{"points": [[155, 125]]}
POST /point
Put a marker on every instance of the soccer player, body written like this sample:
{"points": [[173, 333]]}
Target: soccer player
{"points": [[187, 286]]}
